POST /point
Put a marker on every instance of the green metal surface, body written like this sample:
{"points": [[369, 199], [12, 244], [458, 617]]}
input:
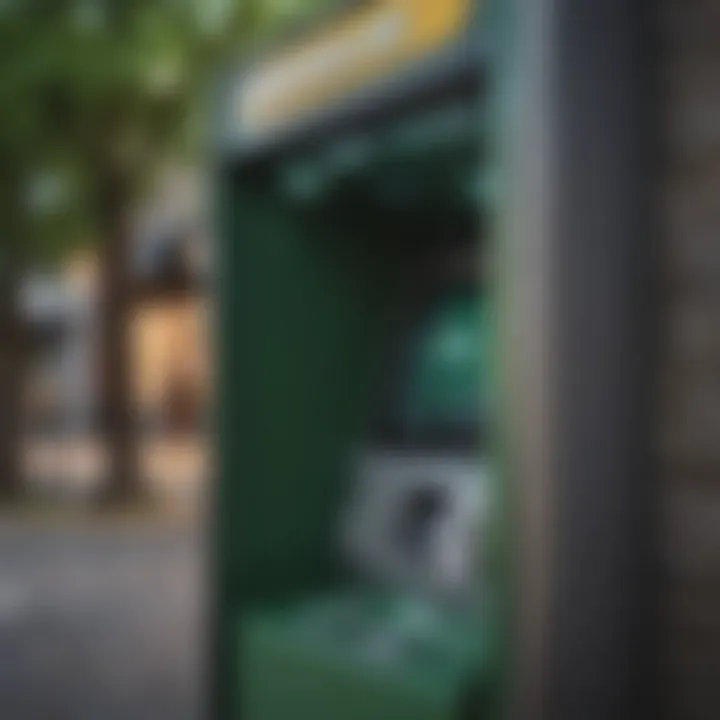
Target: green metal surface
{"points": [[301, 317], [304, 663], [310, 258], [447, 383]]}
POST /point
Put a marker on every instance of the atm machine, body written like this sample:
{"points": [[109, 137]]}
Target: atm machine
{"points": [[359, 534], [369, 451]]}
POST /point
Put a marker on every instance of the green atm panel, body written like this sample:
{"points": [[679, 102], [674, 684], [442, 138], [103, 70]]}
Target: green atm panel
{"points": [[446, 377], [356, 561]]}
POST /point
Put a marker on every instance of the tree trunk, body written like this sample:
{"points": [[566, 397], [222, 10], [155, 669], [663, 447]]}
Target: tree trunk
{"points": [[12, 376], [118, 412]]}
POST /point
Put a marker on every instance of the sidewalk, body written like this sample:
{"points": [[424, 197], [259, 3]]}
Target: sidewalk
{"points": [[173, 469], [101, 622]]}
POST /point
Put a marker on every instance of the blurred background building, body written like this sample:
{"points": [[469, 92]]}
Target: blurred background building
{"points": [[170, 348]]}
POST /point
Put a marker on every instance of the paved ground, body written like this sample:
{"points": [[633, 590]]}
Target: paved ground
{"points": [[100, 622]]}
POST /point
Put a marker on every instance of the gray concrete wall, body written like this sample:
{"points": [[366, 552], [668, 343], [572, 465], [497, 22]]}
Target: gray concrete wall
{"points": [[690, 34]]}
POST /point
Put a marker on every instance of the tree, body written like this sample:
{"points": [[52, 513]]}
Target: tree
{"points": [[123, 81], [38, 216]]}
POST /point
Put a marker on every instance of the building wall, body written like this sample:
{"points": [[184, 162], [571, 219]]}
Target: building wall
{"points": [[61, 382], [168, 338], [690, 34], [170, 344]]}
